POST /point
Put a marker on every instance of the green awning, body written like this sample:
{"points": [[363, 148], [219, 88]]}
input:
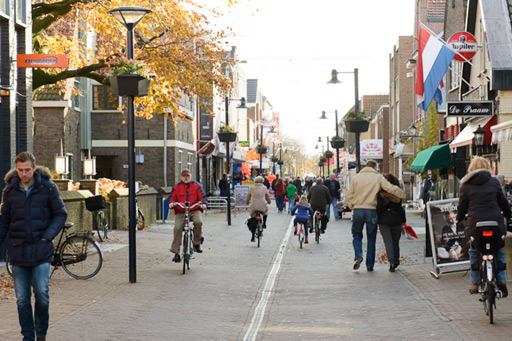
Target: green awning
{"points": [[435, 157]]}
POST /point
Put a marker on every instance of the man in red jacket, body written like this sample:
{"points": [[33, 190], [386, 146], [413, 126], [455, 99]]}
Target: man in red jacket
{"points": [[187, 191]]}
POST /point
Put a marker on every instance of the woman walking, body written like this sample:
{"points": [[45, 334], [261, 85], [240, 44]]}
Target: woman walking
{"points": [[391, 217]]}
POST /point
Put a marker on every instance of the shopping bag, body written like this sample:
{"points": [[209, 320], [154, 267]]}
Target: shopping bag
{"points": [[408, 229]]}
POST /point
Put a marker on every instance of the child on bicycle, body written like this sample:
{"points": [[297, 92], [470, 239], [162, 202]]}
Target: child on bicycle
{"points": [[304, 210]]}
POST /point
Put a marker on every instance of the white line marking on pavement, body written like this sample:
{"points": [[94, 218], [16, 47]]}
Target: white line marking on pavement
{"points": [[259, 312]]}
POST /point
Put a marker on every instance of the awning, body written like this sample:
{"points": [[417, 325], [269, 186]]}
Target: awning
{"points": [[501, 132], [435, 157], [466, 136], [207, 149]]}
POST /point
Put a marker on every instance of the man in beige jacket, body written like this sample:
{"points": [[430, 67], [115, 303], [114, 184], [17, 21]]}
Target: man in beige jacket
{"points": [[362, 200]]}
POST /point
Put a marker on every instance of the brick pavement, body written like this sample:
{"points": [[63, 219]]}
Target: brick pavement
{"points": [[109, 308]]}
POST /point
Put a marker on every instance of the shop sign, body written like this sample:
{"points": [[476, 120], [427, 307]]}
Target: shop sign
{"points": [[244, 143], [371, 149], [42, 60], [469, 109], [465, 44]]}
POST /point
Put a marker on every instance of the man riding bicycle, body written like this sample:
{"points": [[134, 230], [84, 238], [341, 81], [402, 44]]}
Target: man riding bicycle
{"points": [[192, 192], [319, 197]]}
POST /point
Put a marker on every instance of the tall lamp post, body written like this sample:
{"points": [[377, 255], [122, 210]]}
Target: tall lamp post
{"points": [[323, 117], [334, 80], [228, 166], [479, 139], [130, 16], [271, 131]]}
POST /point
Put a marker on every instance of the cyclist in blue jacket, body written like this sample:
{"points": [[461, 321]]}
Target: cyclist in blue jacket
{"points": [[304, 210]]}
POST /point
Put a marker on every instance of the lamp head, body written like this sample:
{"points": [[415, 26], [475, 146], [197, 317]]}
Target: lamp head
{"points": [[272, 131], [319, 139], [323, 117], [479, 136], [129, 16], [334, 77]]}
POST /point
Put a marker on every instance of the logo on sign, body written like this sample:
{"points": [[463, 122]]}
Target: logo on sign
{"points": [[50, 60], [465, 44]]}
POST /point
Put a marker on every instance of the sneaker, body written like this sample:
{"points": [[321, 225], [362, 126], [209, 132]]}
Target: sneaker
{"points": [[391, 268], [369, 269], [197, 248], [253, 239], [503, 287], [322, 231], [473, 289], [339, 218], [358, 262], [264, 226], [176, 258]]}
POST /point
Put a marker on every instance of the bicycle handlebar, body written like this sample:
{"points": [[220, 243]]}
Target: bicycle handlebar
{"points": [[182, 205]]}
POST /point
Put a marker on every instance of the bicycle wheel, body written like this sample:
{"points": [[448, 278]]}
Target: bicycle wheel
{"points": [[260, 232], [140, 220], [317, 230], [186, 252], [301, 238], [490, 301], [102, 225], [81, 257]]}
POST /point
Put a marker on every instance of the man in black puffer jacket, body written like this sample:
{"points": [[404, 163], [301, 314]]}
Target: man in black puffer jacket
{"points": [[32, 214], [319, 198]]}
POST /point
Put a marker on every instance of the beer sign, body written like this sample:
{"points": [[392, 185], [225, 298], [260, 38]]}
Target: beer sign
{"points": [[465, 44]]}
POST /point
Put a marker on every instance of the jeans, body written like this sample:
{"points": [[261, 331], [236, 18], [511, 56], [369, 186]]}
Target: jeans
{"points": [[280, 202], [334, 203], [474, 257], [37, 277], [291, 203], [391, 235], [360, 217]]}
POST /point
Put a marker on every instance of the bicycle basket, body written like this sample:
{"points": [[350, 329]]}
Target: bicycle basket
{"points": [[488, 237], [95, 203]]}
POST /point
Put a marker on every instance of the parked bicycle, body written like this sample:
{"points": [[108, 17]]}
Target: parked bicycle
{"points": [[139, 216], [79, 255], [97, 204], [188, 234], [489, 239]]}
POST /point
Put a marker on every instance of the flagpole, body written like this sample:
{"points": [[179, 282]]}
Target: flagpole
{"points": [[456, 52]]}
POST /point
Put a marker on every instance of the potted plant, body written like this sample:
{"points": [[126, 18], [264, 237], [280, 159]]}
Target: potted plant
{"points": [[261, 149], [280, 162], [320, 164], [226, 134], [274, 158], [129, 78], [328, 154], [357, 122], [322, 159], [337, 142]]}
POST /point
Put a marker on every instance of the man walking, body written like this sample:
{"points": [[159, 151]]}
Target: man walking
{"points": [[32, 214], [319, 198], [334, 190], [362, 200], [298, 184], [192, 192], [224, 186]]}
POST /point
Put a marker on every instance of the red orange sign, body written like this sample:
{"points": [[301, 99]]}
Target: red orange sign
{"points": [[42, 60], [465, 44]]}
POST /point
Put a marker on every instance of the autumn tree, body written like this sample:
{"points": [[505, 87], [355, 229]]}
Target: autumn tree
{"points": [[175, 43]]}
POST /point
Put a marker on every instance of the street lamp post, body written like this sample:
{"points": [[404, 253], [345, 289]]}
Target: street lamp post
{"points": [[334, 80], [130, 16], [228, 166], [271, 131], [323, 117]]}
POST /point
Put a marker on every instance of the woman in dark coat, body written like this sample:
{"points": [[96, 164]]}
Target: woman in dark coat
{"points": [[482, 199], [391, 218]]}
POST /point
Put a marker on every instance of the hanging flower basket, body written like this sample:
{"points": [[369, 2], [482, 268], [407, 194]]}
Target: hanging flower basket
{"points": [[130, 84], [226, 136], [261, 149], [357, 126], [280, 162], [320, 164], [328, 154], [337, 142], [274, 159], [323, 159]]}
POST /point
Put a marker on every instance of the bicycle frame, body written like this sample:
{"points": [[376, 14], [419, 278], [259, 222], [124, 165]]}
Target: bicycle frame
{"points": [[259, 227], [188, 235]]}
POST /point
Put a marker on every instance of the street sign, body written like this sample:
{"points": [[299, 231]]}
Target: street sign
{"points": [[465, 44], [244, 143]]}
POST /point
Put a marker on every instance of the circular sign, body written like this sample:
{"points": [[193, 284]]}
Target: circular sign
{"points": [[465, 44]]}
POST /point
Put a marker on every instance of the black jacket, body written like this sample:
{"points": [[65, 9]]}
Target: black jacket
{"points": [[29, 219], [334, 192], [389, 209], [298, 184], [319, 197], [482, 199]]}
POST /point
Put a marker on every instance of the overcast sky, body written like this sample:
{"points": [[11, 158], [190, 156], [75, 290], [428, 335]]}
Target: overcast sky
{"points": [[291, 46]]}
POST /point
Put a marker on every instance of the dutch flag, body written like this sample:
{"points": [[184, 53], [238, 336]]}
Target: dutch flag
{"points": [[434, 58]]}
